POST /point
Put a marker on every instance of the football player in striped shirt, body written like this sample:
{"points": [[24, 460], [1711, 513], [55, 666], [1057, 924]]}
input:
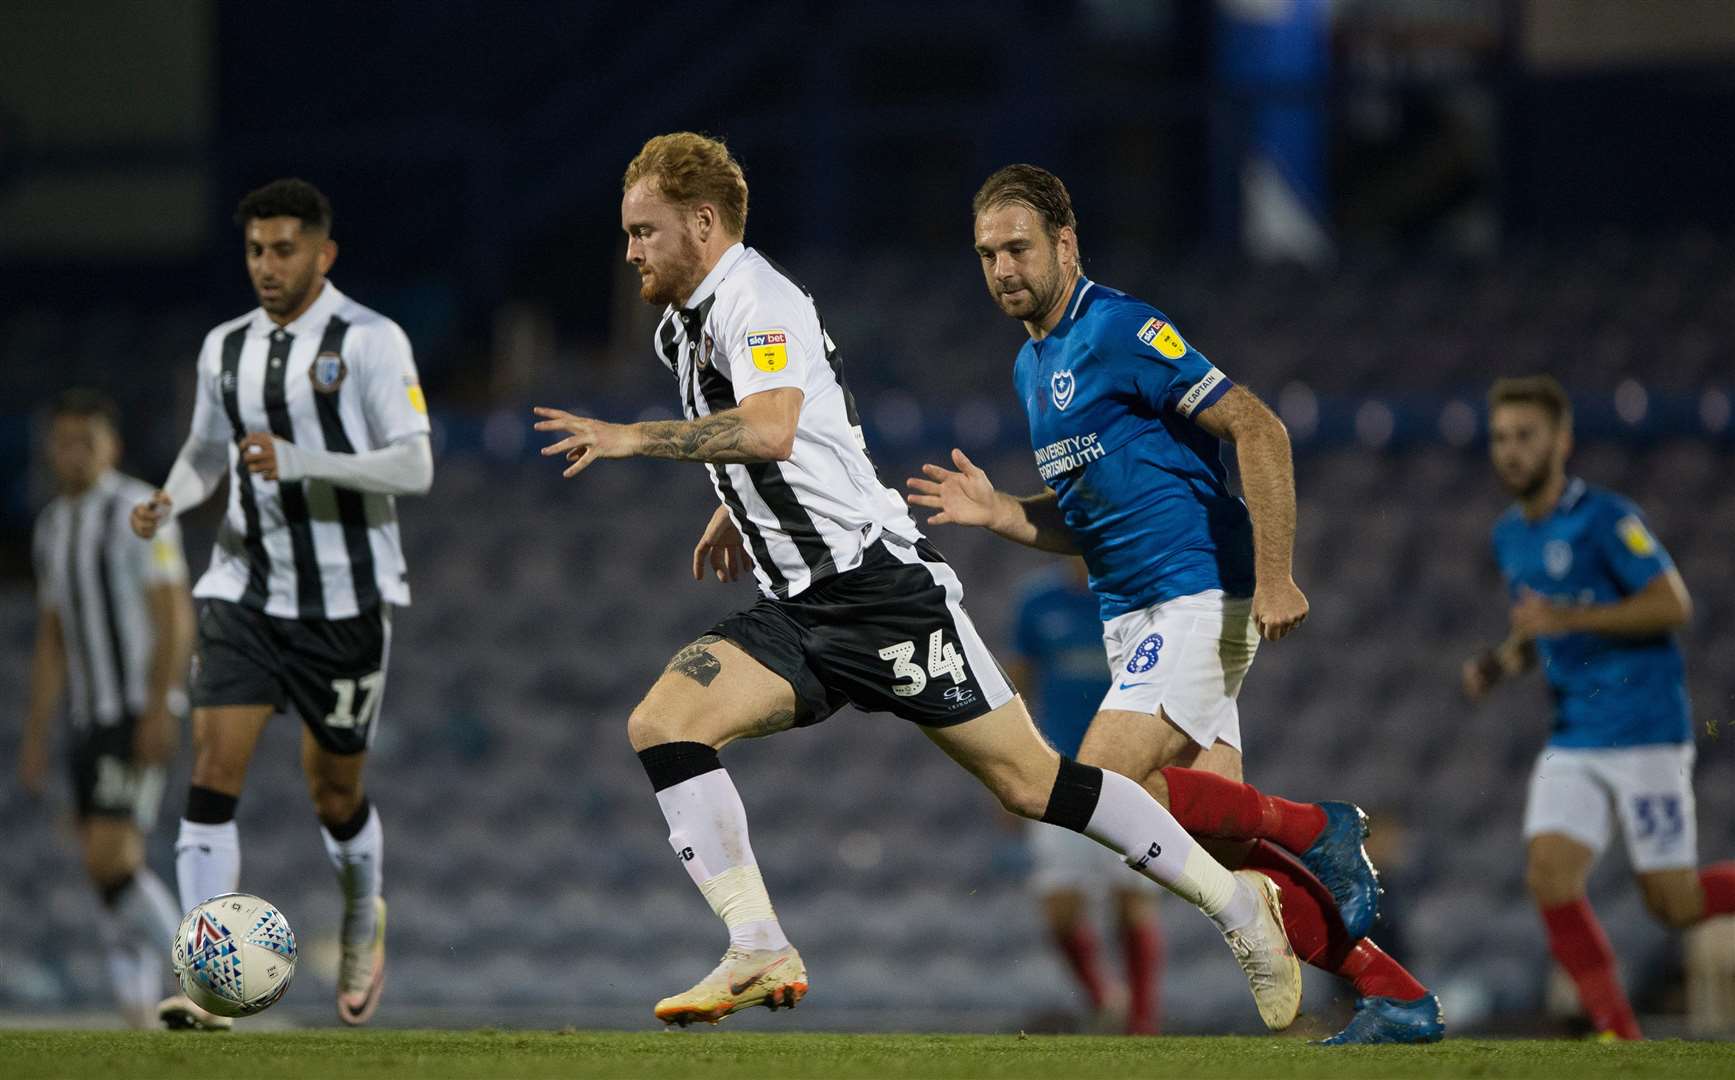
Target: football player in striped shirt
{"points": [[856, 607], [311, 406], [113, 633]]}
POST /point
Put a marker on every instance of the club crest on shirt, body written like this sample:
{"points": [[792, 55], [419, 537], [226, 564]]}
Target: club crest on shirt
{"points": [[709, 349], [1064, 386], [1557, 558], [1162, 337], [327, 372]]}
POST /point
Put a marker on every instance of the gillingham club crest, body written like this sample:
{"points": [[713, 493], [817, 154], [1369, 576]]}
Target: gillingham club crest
{"points": [[1064, 386], [327, 372]]}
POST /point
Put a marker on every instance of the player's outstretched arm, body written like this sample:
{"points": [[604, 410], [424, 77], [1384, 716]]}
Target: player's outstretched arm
{"points": [[197, 472], [1268, 484], [405, 467], [1661, 607], [761, 428], [965, 496]]}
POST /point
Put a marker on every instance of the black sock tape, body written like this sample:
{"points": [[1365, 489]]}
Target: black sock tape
{"points": [[668, 764], [1073, 800], [207, 807], [347, 830]]}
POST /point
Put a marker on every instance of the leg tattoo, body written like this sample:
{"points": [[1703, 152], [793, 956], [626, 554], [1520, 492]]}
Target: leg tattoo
{"points": [[696, 661]]}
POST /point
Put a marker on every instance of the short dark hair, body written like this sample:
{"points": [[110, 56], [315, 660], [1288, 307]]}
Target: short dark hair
{"points": [[1542, 391], [85, 402], [289, 197], [1032, 186]]}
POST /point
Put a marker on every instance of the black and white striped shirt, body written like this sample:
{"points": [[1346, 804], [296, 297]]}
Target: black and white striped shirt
{"points": [[95, 575], [340, 378], [748, 328]]}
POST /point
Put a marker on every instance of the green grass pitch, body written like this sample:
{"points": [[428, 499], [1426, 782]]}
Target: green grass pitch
{"points": [[389, 1055]]}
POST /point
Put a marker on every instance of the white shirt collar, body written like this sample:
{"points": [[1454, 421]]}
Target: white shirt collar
{"points": [[726, 263], [313, 318]]}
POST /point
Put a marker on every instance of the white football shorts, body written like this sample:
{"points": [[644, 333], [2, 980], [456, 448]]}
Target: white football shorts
{"points": [[1187, 656], [1650, 788]]}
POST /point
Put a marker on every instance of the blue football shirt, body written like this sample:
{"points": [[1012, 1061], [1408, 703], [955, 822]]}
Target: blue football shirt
{"points": [[1059, 635], [1110, 395], [1594, 548]]}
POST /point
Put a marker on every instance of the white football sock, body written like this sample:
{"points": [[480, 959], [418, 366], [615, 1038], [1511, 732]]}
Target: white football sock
{"points": [[1152, 842], [124, 963], [357, 862], [149, 911], [708, 830], [207, 861]]}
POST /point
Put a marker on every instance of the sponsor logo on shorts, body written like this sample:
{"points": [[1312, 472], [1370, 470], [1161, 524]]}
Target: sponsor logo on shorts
{"points": [[1145, 657], [958, 696]]}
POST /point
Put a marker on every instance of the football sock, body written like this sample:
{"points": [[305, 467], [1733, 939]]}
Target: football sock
{"points": [[207, 861], [1079, 947], [1316, 932], [127, 964], [1578, 942], [356, 849], [148, 912], [1142, 952], [1210, 805], [1119, 814], [1718, 881], [708, 830]]}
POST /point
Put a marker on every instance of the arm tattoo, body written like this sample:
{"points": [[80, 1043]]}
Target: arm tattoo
{"points": [[697, 662], [721, 437], [771, 723]]}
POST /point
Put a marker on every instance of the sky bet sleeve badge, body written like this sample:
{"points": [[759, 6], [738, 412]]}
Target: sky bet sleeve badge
{"points": [[769, 349], [327, 372], [1160, 336]]}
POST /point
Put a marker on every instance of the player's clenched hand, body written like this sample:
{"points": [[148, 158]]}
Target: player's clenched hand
{"points": [[150, 514], [1535, 616], [1278, 608], [259, 454], [586, 439], [964, 496], [1480, 674], [720, 548]]}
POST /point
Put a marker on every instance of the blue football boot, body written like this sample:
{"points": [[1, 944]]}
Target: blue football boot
{"points": [[1338, 860], [1388, 1020]]}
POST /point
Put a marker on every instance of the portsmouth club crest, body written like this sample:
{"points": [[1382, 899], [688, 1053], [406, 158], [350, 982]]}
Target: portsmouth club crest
{"points": [[327, 372], [1064, 386]]}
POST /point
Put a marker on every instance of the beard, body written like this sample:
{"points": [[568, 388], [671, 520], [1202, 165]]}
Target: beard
{"points": [[290, 296], [1040, 296], [673, 281], [1528, 485]]}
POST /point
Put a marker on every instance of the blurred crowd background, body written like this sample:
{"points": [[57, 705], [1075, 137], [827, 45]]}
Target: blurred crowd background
{"points": [[1364, 210]]}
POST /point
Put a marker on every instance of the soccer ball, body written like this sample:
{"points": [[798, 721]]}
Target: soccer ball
{"points": [[234, 955]]}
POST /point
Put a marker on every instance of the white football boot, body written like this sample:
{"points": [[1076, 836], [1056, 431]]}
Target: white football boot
{"points": [[1264, 953], [178, 1013], [361, 973], [774, 978]]}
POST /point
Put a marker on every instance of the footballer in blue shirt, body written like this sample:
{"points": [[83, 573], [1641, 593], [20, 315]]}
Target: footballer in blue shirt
{"points": [[1057, 664], [1128, 420], [1596, 601]]}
